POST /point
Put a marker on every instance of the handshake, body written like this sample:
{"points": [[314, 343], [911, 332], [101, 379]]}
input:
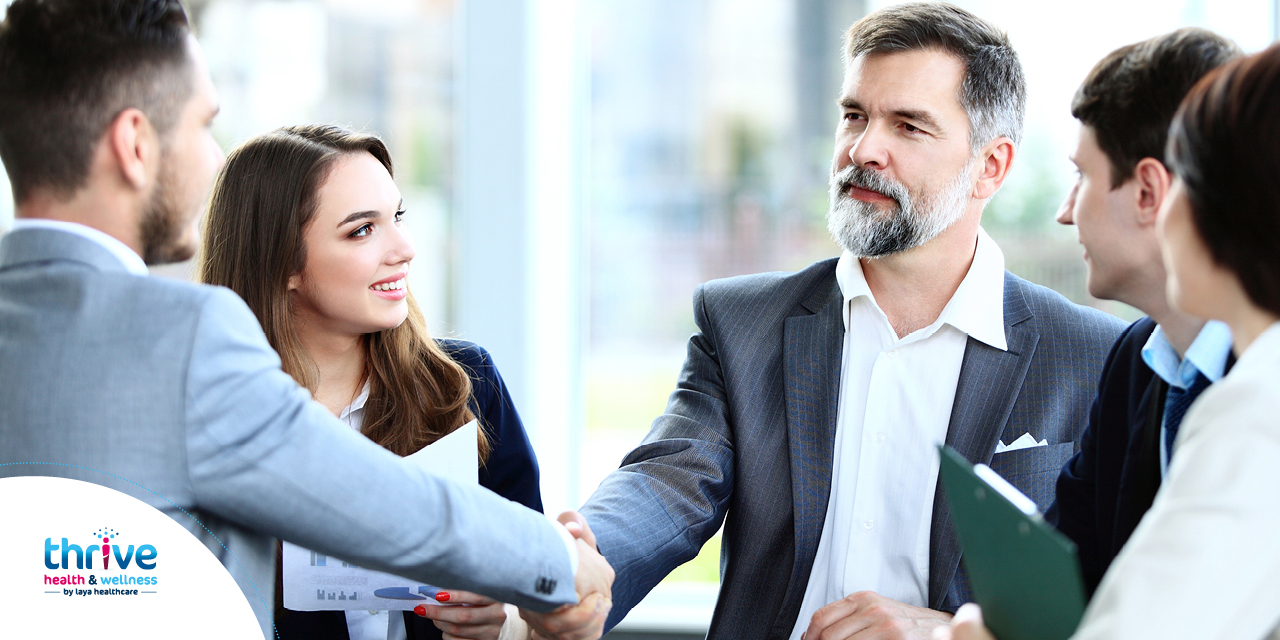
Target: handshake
{"points": [[487, 619]]}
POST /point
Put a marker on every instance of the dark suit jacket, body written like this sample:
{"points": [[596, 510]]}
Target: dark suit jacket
{"points": [[747, 440], [1105, 489], [511, 472]]}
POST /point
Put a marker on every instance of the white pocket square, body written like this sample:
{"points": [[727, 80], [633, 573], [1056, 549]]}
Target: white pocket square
{"points": [[1025, 441]]}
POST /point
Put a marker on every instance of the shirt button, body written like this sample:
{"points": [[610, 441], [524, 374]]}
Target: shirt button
{"points": [[868, 524], [892, 353], [880, 437]]}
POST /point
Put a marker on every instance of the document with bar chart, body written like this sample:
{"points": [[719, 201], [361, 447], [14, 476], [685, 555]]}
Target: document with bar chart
{"points": [[316, 582]]}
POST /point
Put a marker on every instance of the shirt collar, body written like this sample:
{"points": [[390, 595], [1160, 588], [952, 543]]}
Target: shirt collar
{"points": [[1207, 355], [976, 308], [357, 404], [132, 261]]}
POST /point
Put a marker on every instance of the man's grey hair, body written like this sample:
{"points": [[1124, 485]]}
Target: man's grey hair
{"points": [[993, 91]]}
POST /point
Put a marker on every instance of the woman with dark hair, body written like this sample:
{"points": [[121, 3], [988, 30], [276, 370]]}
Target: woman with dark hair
{"points": [[1204, 562], [304, 224]]}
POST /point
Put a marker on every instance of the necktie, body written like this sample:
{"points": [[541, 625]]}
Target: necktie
{"points": [[1175, 406]]}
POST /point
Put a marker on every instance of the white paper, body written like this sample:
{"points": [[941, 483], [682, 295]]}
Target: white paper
{"points": [[1024, 441], [315, 582]]}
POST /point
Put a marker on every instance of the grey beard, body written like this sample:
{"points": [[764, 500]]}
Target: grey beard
{"points": [[867, 231]]}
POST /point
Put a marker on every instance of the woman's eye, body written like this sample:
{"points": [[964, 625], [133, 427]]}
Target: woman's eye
{"points": [[399, 215], [364, 230]]}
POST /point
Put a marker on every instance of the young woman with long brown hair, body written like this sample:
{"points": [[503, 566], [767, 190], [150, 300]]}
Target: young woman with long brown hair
{"points": [[304, 224]]}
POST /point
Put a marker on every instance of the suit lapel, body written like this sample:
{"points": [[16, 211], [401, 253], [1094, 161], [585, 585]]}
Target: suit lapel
{"points": [[990, 380], [812, 346]]}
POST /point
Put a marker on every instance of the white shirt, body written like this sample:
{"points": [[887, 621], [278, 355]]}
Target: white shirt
{"points": [[1204, 562], [894, 408], [369, 625], [132, 261]]}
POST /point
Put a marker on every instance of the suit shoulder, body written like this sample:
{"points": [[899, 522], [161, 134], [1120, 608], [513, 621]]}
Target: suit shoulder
{"points": [[1052, 309], [770, 287], [466, 353]]}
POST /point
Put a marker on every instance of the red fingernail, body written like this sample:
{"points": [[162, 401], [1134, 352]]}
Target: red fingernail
{"points": [[420, 610], [443, 596]]}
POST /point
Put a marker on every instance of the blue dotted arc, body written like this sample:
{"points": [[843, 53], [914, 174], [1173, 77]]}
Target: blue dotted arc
{"points": [[184, 511]]}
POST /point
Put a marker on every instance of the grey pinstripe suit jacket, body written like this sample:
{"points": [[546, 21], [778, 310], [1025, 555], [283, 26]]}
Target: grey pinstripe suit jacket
{"points": [[748, 433], [169, 392]]}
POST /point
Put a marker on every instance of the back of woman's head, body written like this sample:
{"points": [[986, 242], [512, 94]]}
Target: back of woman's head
{"points": [[1224, 144], [254, 241]]}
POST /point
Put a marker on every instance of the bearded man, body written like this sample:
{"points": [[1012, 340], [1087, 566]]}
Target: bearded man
{"points": [[806, 417]]}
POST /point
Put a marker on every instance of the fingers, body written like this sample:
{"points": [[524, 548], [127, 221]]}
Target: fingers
{"points": [[968, 625], [467, 622], [458, 596], [488, 614], [833, 614], [583, 621], [594, 573], [577, 526]]}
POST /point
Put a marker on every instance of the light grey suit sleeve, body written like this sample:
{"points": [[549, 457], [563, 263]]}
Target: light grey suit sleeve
{"points": [[262, 454], [671, 493]]}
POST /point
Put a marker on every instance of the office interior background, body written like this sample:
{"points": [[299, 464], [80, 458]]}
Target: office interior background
{"points": [[572, 169]]}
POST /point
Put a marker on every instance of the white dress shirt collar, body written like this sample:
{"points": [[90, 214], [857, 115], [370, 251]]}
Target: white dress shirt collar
{"points": [[976, 308], [132, 261]]}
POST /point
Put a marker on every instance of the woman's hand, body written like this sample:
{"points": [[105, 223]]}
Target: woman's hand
{"points": [[481, 619], [967, 625]]}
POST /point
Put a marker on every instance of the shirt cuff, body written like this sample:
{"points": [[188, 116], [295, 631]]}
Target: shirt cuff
{"points": [[570, 545]]}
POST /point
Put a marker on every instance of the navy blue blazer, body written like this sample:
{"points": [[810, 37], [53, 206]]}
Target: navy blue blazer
{"points": [[1107, 486], [511, 472]]}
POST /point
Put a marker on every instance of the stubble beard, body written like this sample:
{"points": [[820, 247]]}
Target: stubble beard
{"points": [[164, 221], [868, 231]]}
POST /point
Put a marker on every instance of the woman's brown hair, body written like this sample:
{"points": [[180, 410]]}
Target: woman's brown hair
{"points": [[1224, 143], [253, 241]]}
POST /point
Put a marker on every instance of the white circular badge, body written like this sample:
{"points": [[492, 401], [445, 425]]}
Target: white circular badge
{"points": [[79, 560]]}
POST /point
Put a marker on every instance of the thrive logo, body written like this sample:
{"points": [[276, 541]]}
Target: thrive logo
{"points": [[144, 557], [113, 558]]}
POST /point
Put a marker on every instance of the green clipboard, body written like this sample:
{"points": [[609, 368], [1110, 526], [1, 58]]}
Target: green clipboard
{"points": [[1024, 574]]}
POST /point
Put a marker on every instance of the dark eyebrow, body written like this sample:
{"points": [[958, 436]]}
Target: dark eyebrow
{"points": [[919, 116], [359, 215], [922, 117]]}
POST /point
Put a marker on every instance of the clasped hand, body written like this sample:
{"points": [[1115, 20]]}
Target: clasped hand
{"points": [[594, 584]]}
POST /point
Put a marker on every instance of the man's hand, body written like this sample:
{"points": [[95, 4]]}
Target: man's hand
{"points": [[967, 625], [594, 584], [870, 616]]}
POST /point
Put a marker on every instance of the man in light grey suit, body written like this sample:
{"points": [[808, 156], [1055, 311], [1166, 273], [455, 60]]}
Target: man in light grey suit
{"points": [[168, 391], [807, 412]]}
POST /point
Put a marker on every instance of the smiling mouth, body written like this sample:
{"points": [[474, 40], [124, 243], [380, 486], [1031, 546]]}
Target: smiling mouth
{"points": [[389, 286], [866, 195]]}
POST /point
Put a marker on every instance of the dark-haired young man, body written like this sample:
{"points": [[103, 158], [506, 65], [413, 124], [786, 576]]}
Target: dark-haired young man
{"points": [[168, 391], [1162, 362], [808, 410]]}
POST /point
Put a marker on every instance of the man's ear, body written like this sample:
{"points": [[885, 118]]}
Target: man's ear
{"points": [[134, 146], [996, 159], [1153, 182]]}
